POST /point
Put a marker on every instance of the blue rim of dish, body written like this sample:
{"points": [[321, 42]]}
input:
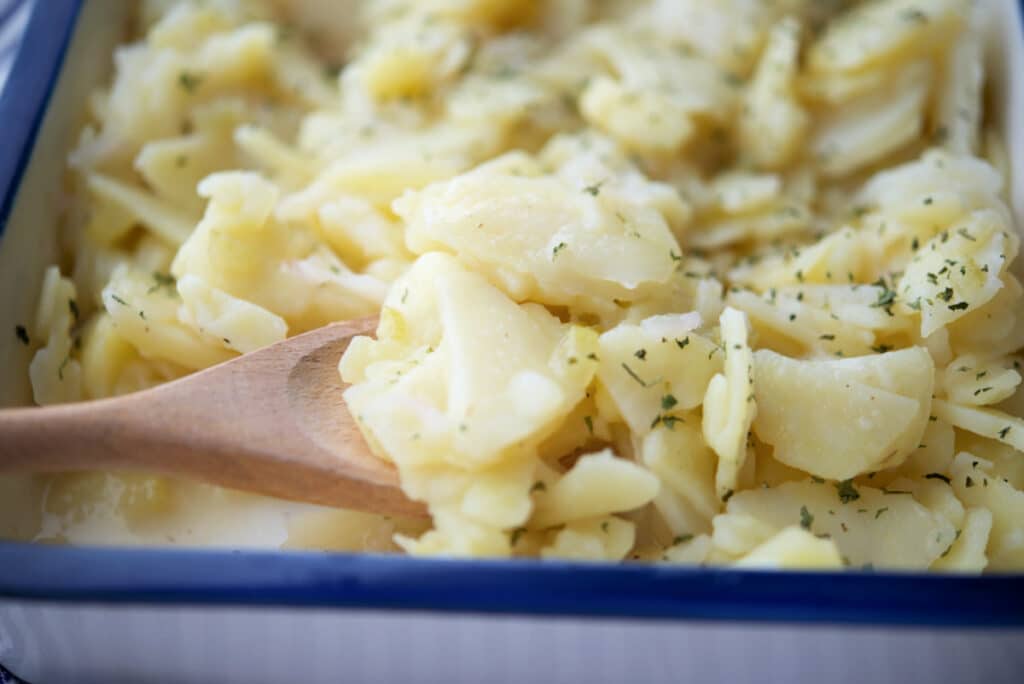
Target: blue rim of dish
{"points": [[29, 87], [366, 581]]}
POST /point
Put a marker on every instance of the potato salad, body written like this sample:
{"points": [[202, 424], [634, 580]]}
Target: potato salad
{"points": [[720, 282]]}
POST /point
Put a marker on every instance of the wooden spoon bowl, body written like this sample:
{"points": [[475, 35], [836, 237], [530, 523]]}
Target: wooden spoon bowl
{"points": [[272, 422]]}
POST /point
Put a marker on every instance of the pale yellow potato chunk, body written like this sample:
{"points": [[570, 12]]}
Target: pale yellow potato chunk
{"points": [[968, 552], [729, 404], [839, 419], [652, 374], [793, 548], [467, 398], [598, 484], [608, 538], [241, 325], [977, 487], [685, 464], [542, 237], [887, 30], [773, 121], [870, 526], [958, 271]]}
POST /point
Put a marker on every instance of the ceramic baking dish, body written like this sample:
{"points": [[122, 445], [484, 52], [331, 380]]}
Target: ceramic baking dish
{"points": [[81, 614]]}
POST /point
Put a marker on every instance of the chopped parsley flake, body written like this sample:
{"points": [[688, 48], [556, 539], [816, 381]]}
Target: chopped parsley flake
{"points": [[594, 190], [806, 519], [161, 280], [683, 342], [681, 539], [590, 424], [880, 511], [1005, 431], [633, 375], [667, 402], [667, 421], [22, 334], [118, 300], [959, 306], [189, 81], [728, 495], [558, 248], [847, 492], [640, 354]]}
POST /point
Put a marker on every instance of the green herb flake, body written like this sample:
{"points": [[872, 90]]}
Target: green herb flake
{"points": [[63, 365], [683, 342], [880, 511], [189, 82], [22, 334], [728, 495], [118, 300], [640, 354], [633, 375], [1005, 431], [806, 519], [847, 492], [589, 423], [681, 539], [557, 248], [668, 402]]}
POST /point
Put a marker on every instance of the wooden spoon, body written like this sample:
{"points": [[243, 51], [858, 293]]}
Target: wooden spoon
{"points": [[272, 421]]}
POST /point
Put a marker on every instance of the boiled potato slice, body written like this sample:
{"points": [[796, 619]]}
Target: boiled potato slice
{"points": [[684, 463], [793, 548], [838, 419], [608, 538], [974, 483], [599, 484], [958, 271], [870, 526], [477, 390], [544, 237], [651, 373], [729, 405]]}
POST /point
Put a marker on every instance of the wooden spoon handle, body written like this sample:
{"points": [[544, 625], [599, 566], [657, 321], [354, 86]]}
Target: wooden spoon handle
{"points": [[60, 438], [111, 435], [272, 422]]}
